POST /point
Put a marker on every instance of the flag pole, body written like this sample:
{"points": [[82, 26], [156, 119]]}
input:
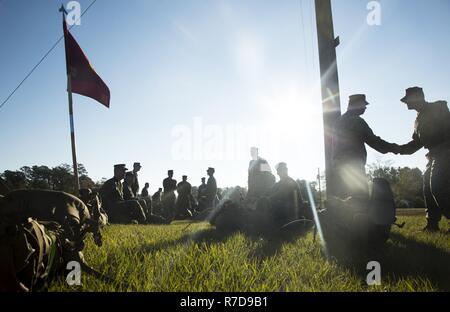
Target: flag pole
{"points": [[72, 132], [72, 128]]}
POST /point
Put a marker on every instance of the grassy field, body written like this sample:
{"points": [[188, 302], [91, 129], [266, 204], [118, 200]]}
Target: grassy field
{"points": [[166, 258]]}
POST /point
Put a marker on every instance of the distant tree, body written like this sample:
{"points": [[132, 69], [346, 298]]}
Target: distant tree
{"points": [[62, 179], [40, 177], [409, 188], [14, 179], [383, 169], [59, 178], [98, 184]]}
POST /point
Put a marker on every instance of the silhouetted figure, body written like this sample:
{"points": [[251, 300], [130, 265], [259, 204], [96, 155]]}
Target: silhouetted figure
{"points": [[349, 154], [260, 177], [211, 189], [201, 196], [156, 202], [286, 198], [146, 203], [144, 192], [128, 193], [156, 197], [169, 198], [118, 209], [135, 184], [432, 131], [184, 200]]}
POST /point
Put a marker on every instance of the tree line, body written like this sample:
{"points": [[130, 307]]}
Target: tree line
{"points": [[59, 178], [406, 182]]}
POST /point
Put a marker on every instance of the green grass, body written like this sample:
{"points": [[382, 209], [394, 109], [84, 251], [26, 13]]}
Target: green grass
{"points": [[166, 258]]}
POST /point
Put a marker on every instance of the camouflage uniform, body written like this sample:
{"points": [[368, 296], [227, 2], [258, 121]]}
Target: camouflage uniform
{"points": [[432, 131], [350, 135], [43, 205], [184, 200], [211, 192], [287, 201], [118, 209], [129, 195], [169, 198], [30, 256], [135, 184], [144, 192], [201, 197], [156, 203], [32, 251], [260, 179]]}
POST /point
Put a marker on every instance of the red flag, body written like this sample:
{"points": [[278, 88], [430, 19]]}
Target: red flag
{"points": [[85, 80]]}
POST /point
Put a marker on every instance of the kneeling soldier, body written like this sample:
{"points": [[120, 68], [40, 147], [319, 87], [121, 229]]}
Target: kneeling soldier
{"points": [[118, 209]]}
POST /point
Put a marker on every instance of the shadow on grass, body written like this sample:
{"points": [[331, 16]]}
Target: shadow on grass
{"points": [[408, 257], [402, 257], [207, 236], [267, 246]]}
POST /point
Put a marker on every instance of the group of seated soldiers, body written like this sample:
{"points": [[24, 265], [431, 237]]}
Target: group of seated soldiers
{"points": [[285, 196], [124, 205]]}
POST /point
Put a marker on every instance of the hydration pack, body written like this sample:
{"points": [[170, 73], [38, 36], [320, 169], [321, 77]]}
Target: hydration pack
{"points": [[30, 255], [361, 222]]}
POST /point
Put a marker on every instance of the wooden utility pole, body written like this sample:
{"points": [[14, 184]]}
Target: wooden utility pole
{"points": [[330, 82]]}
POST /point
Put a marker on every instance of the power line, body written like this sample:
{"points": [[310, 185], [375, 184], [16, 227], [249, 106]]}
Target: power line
{"points": [[306, 54], [42, 59]]}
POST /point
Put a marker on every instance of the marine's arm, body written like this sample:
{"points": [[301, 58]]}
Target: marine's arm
{"points": [[411, 147], [376, 142]]}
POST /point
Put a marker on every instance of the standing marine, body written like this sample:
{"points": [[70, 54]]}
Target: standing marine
{"points": [[350, 135], [431, 131], [144, 192], [260, 177], [169, 198], [184, 200], [211, 189], [135, 184], [201, 196]]}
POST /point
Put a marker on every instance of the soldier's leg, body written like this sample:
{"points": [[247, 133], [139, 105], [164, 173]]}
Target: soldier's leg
{"points": [[440, 182], [156, 208], [171, 208], [136, 211], [433, 212], [145, 207], [184, 208], [156, 219], [352, 180], [149, 203], [116, 214]]}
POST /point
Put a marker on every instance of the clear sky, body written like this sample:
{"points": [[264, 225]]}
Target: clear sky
{"points": [[195, 83]]}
